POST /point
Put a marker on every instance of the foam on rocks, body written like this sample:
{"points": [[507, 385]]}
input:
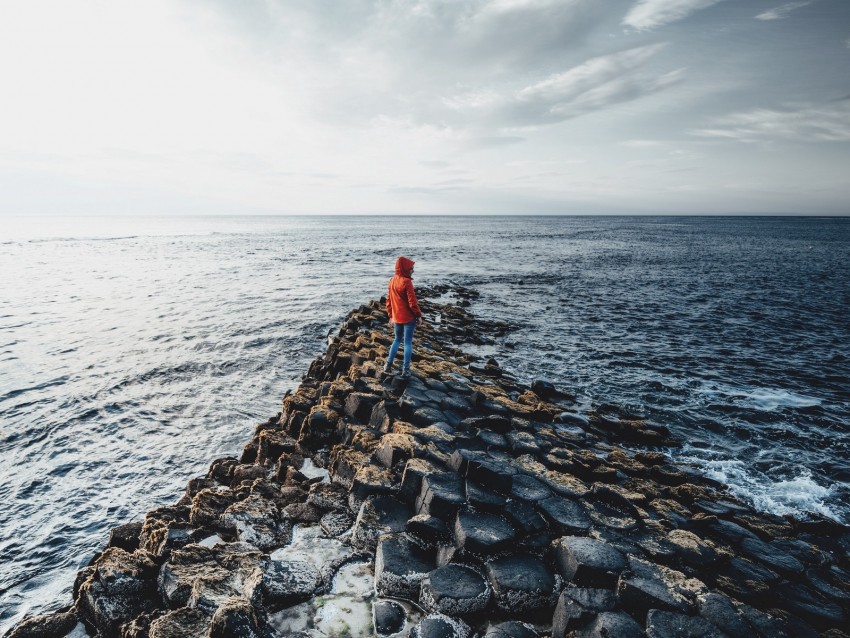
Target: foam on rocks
{"points": [[458, 502]]}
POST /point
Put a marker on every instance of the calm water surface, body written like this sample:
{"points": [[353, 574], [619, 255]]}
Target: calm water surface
{"points": [[135, 351]]}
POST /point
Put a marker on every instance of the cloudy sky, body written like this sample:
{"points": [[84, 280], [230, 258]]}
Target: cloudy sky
{"points": [[424, 106]]}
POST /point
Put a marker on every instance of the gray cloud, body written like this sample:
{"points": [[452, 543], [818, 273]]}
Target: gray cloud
{"points": [[649, 14], [805, 123]]}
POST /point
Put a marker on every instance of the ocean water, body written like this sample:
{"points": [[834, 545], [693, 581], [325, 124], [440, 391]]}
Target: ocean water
{"points": [[133, 351]]}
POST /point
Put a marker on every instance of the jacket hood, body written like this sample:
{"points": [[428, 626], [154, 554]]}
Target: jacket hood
{"points": [[403, 266]]}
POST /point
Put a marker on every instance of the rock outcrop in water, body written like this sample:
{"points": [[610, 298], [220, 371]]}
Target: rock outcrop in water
{"points": [[457, 503]]}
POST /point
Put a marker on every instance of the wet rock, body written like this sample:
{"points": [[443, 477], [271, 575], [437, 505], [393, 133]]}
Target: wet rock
{"points": [[544, 389], [126, 536], [359, 405], [527, 488], [522, 583], [511, 629], [271, 445], [384, 414], [256, 520], [388, 617], [577, 606], [221, 470], [400, 567], [565, 515], [482, 533], [411, 481], [493, 440], [53, 625], [482, 499], [336, 523], [122, 586], [235, 618], [833, 583], [181, 623], [429, 529], [441, 495], [609, 624], [771, 556], [279, 584], [608, 515], [720, 612], [207, 574], [344, 464], [455, 590], [587, 562], [395, 448], [765, 625], [691, 548], [440, 626], [328, 496], [668, 624], [378, 515], [495, 422], [652, 586], [810, 605], [522, 443], [208, 506], [368, 481]]}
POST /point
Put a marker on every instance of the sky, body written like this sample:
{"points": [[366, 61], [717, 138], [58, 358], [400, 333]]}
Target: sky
{"points": [[111, 107]]}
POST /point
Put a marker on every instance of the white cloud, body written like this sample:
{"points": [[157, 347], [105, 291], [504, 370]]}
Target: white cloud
{"points": [[648, 14], [804, 123], [782, 11]]}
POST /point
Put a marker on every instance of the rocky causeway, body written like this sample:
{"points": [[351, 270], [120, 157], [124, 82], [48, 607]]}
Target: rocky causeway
{"points": [[456, 503]]}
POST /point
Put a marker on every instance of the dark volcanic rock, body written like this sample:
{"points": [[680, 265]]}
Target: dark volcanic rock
{"points": [[126, 536], [441, 495], [771, 555], [378, 515], [655, 587], [122, 587], [719, 611], [429, 529], [440, 626], [565, 515], [512, 629], [181, 623], [53, 625], [521, 583], [482, 533], [611, 624], [482, 499], [577, 606], [388, 617], [280, 584], [455, 590], [588, 562], [400, 567], [668, 624], [235, 618]]}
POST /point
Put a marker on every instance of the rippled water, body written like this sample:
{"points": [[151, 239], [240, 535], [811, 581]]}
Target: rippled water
{"points": [[134, 351]]}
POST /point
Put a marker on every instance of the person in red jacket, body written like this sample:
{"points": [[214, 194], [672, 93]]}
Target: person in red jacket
{"points": [[403, 310]]}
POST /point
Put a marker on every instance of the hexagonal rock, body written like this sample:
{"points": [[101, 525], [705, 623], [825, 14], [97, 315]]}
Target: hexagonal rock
{"points": [[588, 562], [565, 515], [527, 488], [510, 629], [411, 481], [455, 590], [121, 587], [273, 443], [400, 567], [180, 623], [571, 613], [370, 480], [359, 405], [771, 555], [668, 624], [235, 618], [378, 515], [719, 611], [388, 617], [609, 624], [46, 625], [691, 548], [482, 499], [521, 583], [441, 495], [428, 529], [395, 448], [651, 586], [482, 533], [280, 584], [440, 626], [336, 523]]}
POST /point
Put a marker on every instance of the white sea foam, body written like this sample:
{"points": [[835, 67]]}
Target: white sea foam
{"points": [[764, 399], [796, 496]]}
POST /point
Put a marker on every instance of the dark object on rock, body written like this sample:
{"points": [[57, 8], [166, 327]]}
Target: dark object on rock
{"points": [[400, 567], [53, 625], [235, 618], [455, 590], [611, 624], [544, 389], [522, 583], [280, 584], [388, 617], [588, 562], [440, 626], [668, 624], [512, 629]]}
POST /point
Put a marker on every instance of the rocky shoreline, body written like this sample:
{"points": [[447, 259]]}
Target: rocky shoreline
{"points": [[457, 503]]}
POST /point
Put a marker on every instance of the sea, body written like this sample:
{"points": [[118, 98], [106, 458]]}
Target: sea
{"points": [[135, 350]]}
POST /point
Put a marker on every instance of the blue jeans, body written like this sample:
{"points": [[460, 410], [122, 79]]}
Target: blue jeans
{"points": [[404, 330]]}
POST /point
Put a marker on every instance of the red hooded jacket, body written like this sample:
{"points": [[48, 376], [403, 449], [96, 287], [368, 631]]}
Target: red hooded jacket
{"points": [[402, 306]]}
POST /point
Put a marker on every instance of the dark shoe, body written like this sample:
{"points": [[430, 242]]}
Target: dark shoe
{"points": [[405, 374]]}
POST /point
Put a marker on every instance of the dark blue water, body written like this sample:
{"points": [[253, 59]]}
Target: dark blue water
{"points": [[134, 351]]}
